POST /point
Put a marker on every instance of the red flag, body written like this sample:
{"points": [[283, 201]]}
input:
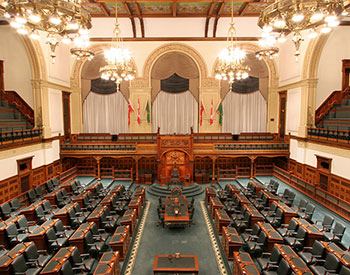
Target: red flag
{"points": [[202, 110], [130, 109], [211, 113], [138, 112]]}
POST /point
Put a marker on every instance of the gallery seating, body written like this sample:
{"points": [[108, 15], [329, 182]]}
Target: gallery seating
{"points": [[20, 266], [82, 261], [289, 229], [13, 236], [24, 226], [326, 224], [298, 240], [38, 257], [282, 269], [257, 246], [307, 214], [269, 259], [54, 242], [336, 234], [330, 265]]}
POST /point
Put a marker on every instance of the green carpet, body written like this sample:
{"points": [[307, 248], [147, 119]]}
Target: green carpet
{"points": [[163, 241]]}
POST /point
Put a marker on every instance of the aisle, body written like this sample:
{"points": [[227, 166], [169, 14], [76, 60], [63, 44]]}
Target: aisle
{"points": [[190, 241]]}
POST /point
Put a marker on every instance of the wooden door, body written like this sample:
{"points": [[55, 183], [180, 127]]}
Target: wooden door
{"points": [[66, 114], [346, 73], [282, 114], [324, 181], [25, 183]]}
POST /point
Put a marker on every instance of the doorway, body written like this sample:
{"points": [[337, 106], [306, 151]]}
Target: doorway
{"points": [[24, 168], [66, 115], [282, 114]]}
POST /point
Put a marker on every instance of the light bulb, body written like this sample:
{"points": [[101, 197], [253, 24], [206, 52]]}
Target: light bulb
{"points": [[299, 16], [279, 23], [281, 39], [15, 25], [73, 25], [267, 28], [317, 16], [34, 35], [312, 34], [326, 29], [20, 19], [333, 23], [66, 40], [35, 18], [330, 18], [22, 31], [83, 31], [55, 19]]}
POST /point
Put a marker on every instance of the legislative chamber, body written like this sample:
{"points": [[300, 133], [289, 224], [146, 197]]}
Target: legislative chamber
{"points": [[143, 137]]}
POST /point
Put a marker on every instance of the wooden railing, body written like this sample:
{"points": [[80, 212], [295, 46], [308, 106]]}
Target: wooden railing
{"points": [[15, 99], [338, 205], [21, 136], [334, 98], [338, 136]]}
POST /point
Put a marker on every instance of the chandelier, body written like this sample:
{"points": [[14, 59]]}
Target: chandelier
{"points": [[267, 47], [295, 16], [118, 59], [231, 65], [82, 51], [62, 17]]}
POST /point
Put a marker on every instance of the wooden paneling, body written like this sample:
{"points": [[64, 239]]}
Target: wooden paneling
{"points": [[203, 163], [11, 187]]}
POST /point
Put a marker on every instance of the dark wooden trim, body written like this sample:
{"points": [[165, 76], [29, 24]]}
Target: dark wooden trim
{"points": [[282, 95], [139, 39], [11, 146], [66, 96], [322, 142], [2, 82], [218, 15], [105, 9]]}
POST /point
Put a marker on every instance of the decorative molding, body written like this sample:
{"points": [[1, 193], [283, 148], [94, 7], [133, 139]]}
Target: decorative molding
{"points": [[308, 82], [135, 248], [175, 39], [215, 244], [174, 47]]}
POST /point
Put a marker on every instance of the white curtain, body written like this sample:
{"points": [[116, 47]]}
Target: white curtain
{"points": [[175, 113], [244, 113], [105, 113]]}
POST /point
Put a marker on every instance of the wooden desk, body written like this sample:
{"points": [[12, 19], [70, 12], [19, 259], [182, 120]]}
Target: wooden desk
{"points": [[141, 191], [313, 233], [80, 198], [243, 264], [258, 187], [176, 212], [120, 241], [254, 214], [52, 196], [271, 197], [231, 190], [214, 203], [129, 219], [7, 259], [118, 190], [342, 255], [54, 266], [92, 188], [108, 264], [95, 215], [295, 262], [29, 211], [62, 214], [288, 212], [39, 235], [186, 264], [231, 241], [136, 203], [221, 219], [272, 235], [148, 178], [77, 239], [209, 192], [67, 186], [107, 200], [243, 200]]}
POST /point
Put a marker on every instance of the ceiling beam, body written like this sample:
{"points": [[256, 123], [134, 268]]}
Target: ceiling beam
{"points": [[139, 14], [131, 16], [105, 9], [174, 7], [209, 15], [218, 14], [243, 9], [178, 1]]}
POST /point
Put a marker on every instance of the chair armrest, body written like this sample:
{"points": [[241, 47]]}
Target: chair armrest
{"points": [[271, 267], [43, 252], [248, 230], [85, 255], [266, 254], [101, 230], [307, 248], [284, 225], [319, 261]]}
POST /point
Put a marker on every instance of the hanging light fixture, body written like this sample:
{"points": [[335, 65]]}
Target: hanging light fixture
{"points": [[267, 47], [82, 51], [231, 65], [295, 16], [56, 17], [118, 59]]}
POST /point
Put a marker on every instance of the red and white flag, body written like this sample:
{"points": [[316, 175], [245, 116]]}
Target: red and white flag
{"points": [[130, 109], [138, 112], [211, 113], [201, 113]]}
